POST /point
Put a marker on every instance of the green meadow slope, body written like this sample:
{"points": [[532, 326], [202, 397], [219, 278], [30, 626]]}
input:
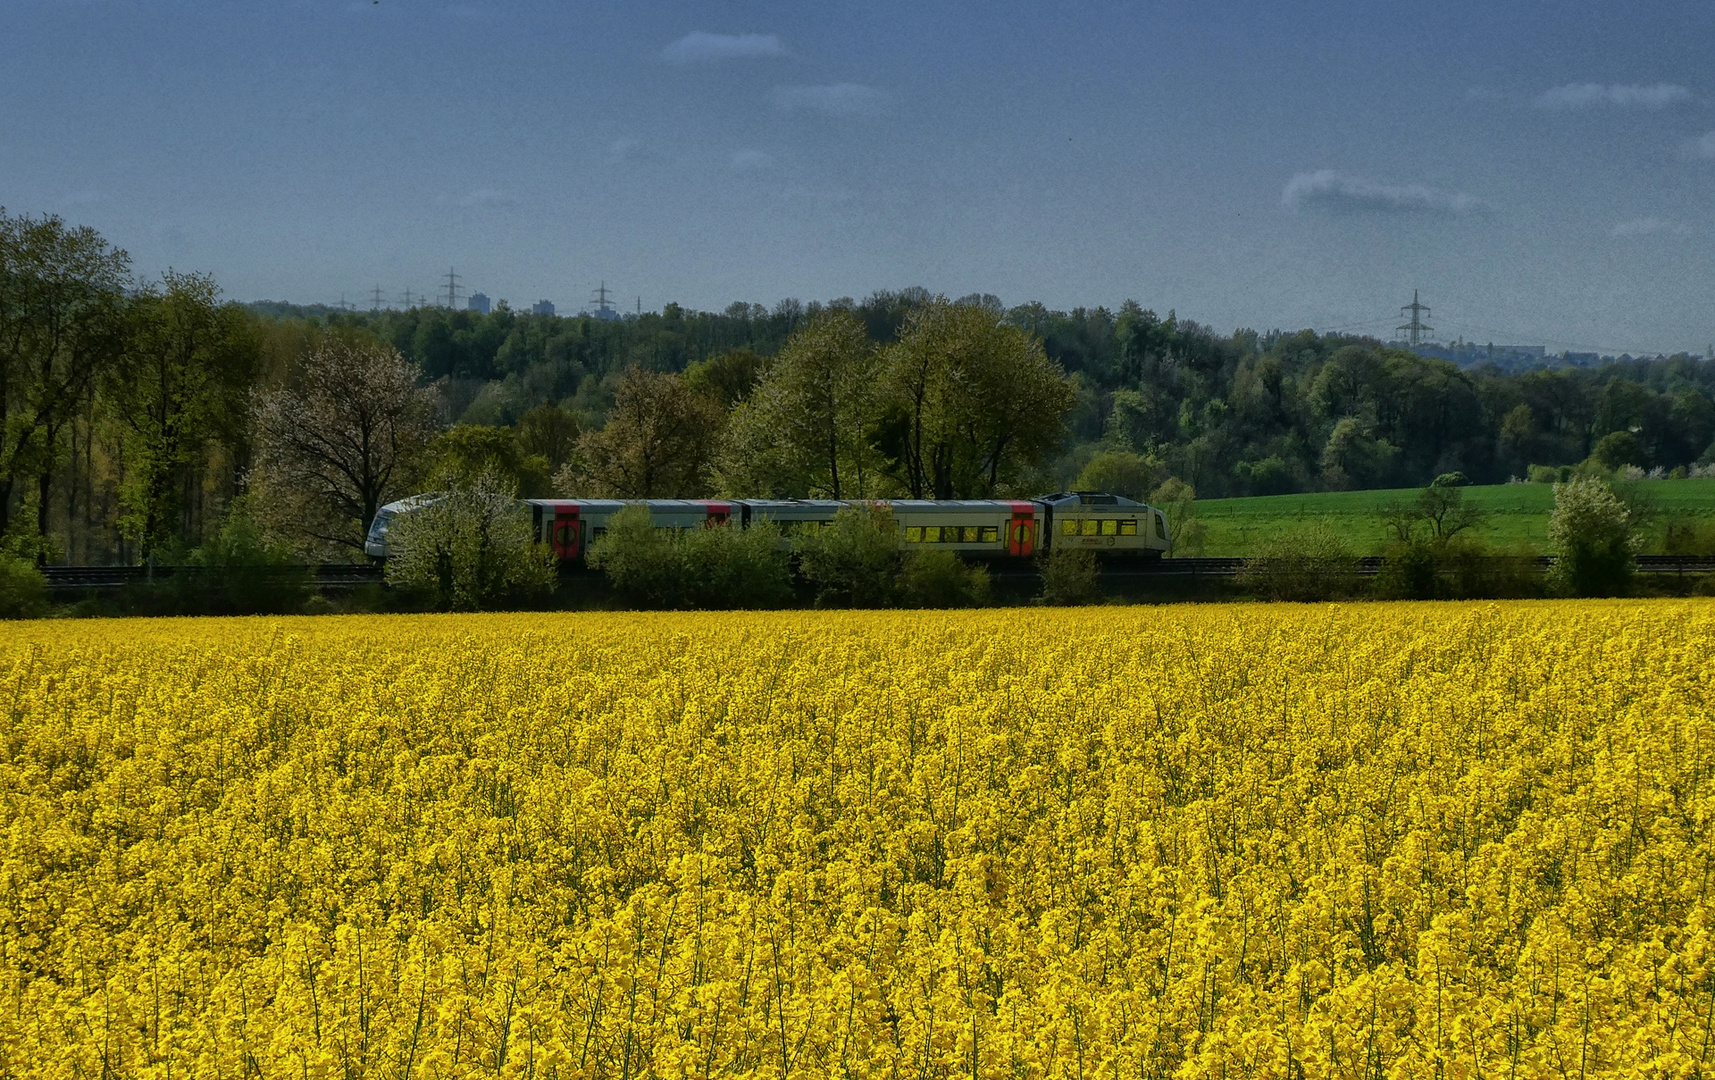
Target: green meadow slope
{"points": [[1516, 515]]}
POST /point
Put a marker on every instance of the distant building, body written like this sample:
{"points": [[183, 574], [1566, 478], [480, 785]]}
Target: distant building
{"points": [[478, 303], [542, 307]]}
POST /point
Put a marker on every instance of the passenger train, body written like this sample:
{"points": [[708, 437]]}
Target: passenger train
{"points": [[1109, 525]]}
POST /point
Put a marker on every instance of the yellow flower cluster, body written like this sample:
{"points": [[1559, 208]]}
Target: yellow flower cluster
{"points": [[1262, 841]]}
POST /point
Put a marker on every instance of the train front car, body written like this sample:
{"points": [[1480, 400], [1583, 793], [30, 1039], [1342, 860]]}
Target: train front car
{"points": [[1106, 524], [375, 542], [973, 528]]}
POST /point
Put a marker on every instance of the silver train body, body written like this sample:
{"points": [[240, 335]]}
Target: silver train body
{"points": [[1109, 525]]}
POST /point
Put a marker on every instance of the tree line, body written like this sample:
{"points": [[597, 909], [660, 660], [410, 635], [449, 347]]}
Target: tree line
{"points": [[148, 419]]}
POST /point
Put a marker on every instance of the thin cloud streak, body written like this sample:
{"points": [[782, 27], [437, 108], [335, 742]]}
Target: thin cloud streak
{"points": [[1701, 147], [1343, 193], [701, 47], [1649, 226], [1595, 95], [838, 99]]}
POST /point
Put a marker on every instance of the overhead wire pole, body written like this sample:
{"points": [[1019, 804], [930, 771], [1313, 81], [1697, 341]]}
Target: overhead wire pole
{"points": [[452, 289], [375, 298], [1415, 327]]}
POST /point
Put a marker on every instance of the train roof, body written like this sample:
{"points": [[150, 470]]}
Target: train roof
{"points": [[1078, 500]]}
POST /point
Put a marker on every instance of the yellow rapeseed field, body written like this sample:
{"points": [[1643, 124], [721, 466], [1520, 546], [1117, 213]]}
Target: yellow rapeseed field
{"points": [[1376, 840]]}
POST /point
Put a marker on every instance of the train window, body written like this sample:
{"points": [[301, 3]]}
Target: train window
{"points": [[1128, 528], [991, 534], [1160, 527], [913, 534], [598, 531], [1069, 527], [1110, 527], [1091, 525], [971, 534]]}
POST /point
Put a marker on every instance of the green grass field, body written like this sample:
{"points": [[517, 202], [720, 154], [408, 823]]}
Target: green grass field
{"points": [[1517, 514]]}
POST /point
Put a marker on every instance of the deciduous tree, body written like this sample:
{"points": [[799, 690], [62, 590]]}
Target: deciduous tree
{"points": [[808, 428], [658, 443], [180, 383], [62, 326], [345, 435], [976, 397]]}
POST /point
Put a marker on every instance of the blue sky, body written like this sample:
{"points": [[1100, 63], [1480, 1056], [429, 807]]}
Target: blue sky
{"points": [[1542, 173]]}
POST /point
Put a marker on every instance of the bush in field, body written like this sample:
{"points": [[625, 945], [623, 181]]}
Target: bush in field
{"points": [[23, 588], [1070, 577], [934, 578], [855, 560], [1593, 540], [718, 567], [470, 549], [243, 573], [729, 567], [1310, 562]]}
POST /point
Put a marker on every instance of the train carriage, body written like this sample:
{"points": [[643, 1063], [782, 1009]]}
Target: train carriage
{"points": [[973, 528], [571, 525]]}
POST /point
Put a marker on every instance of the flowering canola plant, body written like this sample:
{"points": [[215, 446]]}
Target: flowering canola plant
{"points": [[1264, 841]]}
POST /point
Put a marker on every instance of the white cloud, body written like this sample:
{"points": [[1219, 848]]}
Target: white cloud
{"points": [[1591, 95], [1701, 147], [700, 47], [751, 161], [1650, 226], [1339, 192], [839, 99]]}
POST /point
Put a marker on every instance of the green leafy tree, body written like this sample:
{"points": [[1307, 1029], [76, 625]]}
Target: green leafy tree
{"points": [[728, 378], [1618, 449], [182, 379], [471, 548], [63, 319], [467, 451], [1120, 472], [658, 443], [807, 429], [1177, 499], [976, 399], [1593, 540], [1437, 515], [551, 433]]}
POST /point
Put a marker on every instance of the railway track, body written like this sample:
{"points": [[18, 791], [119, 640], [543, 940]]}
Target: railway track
{"points": [[98, 578], [63, 579]]}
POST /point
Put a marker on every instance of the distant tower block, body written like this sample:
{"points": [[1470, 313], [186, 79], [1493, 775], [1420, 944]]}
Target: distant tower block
{"points": [[478, 302], [1415, 330], [543, 307]]}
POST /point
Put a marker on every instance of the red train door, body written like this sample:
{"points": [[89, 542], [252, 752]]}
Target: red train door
{"points": [[718, 514], [568, 532], [1021, 533]]}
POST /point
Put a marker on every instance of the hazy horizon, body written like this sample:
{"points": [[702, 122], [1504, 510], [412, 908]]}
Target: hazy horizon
{"points": [[1540, 175]]}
